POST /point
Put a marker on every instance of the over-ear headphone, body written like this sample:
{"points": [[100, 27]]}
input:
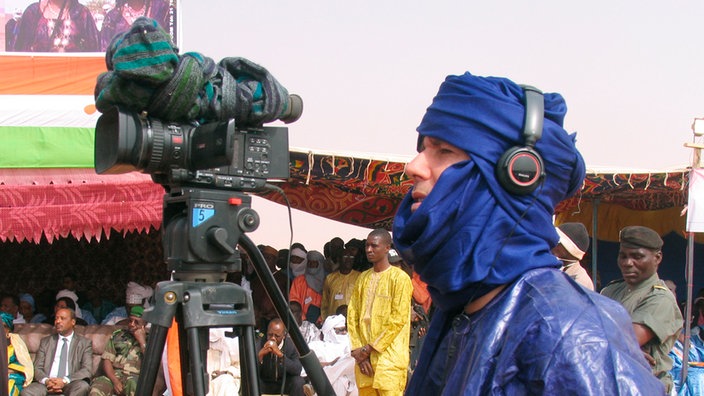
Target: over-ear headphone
{"points": [[520, 169]]}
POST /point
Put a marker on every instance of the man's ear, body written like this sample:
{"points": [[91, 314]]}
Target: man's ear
{"points": [[658, 256]]}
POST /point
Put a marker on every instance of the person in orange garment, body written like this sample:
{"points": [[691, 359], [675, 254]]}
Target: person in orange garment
{"points": [[307, 289]]}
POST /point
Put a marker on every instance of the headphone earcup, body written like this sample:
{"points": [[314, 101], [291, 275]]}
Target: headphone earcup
{"points": [[520, 170]]}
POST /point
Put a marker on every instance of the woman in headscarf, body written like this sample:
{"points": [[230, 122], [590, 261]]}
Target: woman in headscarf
{"points": [[64, 302], [120, 18], [19, 363], [86, 316], [57, 26], [307, 289], [28, 309]]}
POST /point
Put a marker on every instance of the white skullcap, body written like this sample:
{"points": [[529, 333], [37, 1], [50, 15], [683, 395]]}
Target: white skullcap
{"points": [[67, 293], [137, 294], [72, 296]]}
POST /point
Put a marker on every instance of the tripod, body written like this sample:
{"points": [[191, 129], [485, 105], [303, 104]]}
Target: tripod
{"points": [[201, 228]]}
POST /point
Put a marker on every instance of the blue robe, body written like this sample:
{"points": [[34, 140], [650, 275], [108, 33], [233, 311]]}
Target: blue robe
{"points": [[543, 334]]}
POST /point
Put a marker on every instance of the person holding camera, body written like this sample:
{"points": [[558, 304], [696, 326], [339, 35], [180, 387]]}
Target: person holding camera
{"points": [[493, 162]]}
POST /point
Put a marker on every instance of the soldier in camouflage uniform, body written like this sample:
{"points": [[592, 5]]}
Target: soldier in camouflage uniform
{"points": [[122, 358], [656, 318]]}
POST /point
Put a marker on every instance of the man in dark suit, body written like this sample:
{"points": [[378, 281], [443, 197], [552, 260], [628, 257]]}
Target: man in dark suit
{"points": [[276, 356], [75, 360]]}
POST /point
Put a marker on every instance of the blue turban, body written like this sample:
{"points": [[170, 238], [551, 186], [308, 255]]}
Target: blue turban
{"points": [[7, 319], [28, 298], [470, 235]]}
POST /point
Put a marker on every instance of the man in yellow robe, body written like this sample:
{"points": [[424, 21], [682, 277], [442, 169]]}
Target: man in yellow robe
{"points": [[379, 321]]}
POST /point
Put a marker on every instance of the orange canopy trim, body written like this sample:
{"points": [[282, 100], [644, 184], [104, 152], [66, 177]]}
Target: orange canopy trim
{"points": [[655, 200]]}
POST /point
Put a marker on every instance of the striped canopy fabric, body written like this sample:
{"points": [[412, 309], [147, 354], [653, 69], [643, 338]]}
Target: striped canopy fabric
{"points": [[57, 203]]}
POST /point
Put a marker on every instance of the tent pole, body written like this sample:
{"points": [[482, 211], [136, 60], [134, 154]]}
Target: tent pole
{"points": [[595, 216], [689, 266], [689, 270]]}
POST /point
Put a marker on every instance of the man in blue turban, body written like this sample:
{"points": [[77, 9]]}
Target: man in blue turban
{"points": [[508, 321]]}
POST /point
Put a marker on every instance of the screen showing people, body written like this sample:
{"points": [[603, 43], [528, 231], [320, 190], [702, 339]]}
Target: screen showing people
{"points": [[56, 26]]}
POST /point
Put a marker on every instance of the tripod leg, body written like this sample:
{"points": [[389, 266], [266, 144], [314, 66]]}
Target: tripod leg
{"points": [[248, 365], [152, 360], [196, 360]]}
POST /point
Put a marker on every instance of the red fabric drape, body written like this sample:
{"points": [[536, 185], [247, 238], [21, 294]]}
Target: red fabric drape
{"points": [[60, 202]]}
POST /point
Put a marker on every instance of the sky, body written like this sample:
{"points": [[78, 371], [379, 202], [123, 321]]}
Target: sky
{"points": [[630, 72]]}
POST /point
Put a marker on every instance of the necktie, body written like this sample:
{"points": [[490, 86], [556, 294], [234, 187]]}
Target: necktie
{"points": [[62, 358]]}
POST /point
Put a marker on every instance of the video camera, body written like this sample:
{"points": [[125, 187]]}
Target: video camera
{"points": [[204, 134], [220, 155]]}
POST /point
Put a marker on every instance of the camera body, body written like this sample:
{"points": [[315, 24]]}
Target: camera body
{"points": [[202, 224], [258, 154], [216, 155]]}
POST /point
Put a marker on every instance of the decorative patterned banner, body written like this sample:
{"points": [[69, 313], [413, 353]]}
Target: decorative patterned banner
{"points": [[352, 190]]}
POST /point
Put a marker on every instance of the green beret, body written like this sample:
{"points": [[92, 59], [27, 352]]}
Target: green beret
{"points": [[640, 237], [137, 311]]}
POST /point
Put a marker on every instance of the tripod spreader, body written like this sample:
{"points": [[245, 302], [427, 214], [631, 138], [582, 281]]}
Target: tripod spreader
{"points": [[197, 307]]}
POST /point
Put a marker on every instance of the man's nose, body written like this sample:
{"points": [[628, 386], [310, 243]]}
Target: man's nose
{"points": [[417, 167], [627, 262]]}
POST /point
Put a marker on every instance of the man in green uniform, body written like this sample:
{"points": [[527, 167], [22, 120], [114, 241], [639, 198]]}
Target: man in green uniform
{"points": [[656, 318], [122, 358]]}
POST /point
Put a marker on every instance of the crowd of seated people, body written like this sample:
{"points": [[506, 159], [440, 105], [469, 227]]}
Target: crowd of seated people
{"points": [[317, 285], [50, 368]]}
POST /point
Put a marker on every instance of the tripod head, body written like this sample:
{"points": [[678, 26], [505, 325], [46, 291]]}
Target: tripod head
{"points": [[201, 229]]}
